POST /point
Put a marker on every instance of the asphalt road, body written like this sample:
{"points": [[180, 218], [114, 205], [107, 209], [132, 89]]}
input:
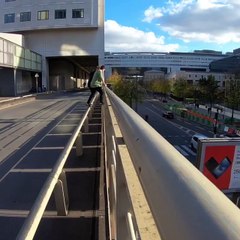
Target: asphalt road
{"points": [[176, 131]]}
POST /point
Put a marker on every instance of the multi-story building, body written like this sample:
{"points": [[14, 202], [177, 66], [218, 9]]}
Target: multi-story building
{"points": [[153, 75], [228, 65], [192, 77], [69, 35], [18, 66], [167, 62]]}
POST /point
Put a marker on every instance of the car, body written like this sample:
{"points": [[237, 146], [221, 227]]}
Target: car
{"points": [[195, 139], [168, 114]]}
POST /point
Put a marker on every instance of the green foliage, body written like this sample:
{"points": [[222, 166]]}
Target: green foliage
{"points": [[232, 93], [209, 89], [127, 89], [159, 85], [180, 88]]}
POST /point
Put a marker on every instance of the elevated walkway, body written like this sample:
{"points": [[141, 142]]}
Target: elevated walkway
{"points": [[24, 173], [86, 217]]}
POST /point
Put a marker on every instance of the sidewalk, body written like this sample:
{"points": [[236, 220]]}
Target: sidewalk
{"points": [[226, 111]]}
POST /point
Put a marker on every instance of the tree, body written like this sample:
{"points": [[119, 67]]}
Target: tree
{"points": [[209, 89], [232, 94], [127, 89], [159, 85], [180, 88]]}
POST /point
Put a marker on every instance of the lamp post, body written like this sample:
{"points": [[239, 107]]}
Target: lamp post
{"points": [[36, 76]]}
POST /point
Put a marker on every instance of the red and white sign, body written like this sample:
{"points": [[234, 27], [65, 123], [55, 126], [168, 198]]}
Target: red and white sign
{"points": [[220, 163]]}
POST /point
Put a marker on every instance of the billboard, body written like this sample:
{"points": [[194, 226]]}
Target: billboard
{"points": [[219, 161]]}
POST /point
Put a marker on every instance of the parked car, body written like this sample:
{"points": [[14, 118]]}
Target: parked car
{"points": [[195, 139], [168, 114]]}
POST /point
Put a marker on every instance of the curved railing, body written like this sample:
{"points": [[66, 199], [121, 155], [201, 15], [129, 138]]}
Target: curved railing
{"points": [[55, 181], [184, 203]]}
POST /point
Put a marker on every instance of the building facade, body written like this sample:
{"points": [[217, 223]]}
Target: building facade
{"points": [[193, 77], [69, 35], [229, 65], [167, 62], [18, 66]]}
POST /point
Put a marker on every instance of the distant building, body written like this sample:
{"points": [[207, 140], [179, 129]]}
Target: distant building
{"points": [[193, 77], [166, 62], [227, 65], [153, 75]]}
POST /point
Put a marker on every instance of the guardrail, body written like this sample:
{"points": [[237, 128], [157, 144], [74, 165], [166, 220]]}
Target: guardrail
{"points": [[129, 213], [56, 182], [184, 203]]}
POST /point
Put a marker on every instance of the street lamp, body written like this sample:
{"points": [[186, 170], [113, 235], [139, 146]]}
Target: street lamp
{"points": [[36, 76]]}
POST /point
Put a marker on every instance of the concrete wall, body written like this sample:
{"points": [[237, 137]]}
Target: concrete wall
{"points": [[61, 75], [7, 82], [24, 82], [15, 82], [15, 38]]}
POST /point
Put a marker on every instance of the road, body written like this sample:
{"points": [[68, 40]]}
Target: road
{"points": [[176, 131]]}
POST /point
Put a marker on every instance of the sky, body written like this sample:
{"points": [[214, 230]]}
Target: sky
{"points": [[172, 25]]}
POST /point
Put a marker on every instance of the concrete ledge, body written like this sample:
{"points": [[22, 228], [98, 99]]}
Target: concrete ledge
{"points": [[8, 102]]}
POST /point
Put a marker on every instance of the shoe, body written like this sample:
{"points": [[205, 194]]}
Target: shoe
{"points": [[101, 103]]}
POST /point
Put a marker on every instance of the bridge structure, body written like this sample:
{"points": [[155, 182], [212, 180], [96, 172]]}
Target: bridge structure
{"points": [[69, 171]]}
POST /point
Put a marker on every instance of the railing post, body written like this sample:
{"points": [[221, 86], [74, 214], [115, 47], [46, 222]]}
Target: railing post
{"points": [[61, 195], [79, 145], [131, 227], [113, 200], [85, 125], [91, 111]]}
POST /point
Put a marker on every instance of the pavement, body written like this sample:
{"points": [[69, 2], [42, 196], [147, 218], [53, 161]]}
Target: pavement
{"points": [[24, 171], [226, 112]]}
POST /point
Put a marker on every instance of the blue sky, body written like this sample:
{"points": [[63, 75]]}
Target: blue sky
{"points": [[172, 25]]}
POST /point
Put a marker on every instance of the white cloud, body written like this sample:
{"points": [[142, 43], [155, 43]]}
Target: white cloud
{"points": [[212, 21], [152, 13], [126, 39], [208, 4]]}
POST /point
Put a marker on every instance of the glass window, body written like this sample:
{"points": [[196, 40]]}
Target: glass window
{"points": [[25, 16], [60, 14], [77, 13], [9, 18], [43, 15]]}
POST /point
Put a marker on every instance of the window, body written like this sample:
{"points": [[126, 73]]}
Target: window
{"points": [[60, 14], [9, 18], [10, 0], [43, 15], [77, 13], [25, 16]]}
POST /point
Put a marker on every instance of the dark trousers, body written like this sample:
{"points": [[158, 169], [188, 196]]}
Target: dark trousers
{"points": [[93, 91]]}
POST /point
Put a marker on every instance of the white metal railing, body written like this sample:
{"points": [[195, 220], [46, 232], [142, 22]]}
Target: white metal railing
{"points": [[56, 181], [129, 213], [185, 204]]}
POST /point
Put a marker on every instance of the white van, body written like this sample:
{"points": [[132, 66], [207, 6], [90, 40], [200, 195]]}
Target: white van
{"points": [[194, 140]]}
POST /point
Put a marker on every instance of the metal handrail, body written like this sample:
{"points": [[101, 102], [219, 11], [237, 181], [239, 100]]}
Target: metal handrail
{"points": [[185, 204], [30, 226]]}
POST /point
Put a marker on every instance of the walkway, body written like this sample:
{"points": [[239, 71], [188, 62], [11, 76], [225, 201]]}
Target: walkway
{"points": [[37, 140]]}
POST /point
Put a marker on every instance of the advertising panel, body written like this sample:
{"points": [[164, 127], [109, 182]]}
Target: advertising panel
{"points": [[219, 161]]}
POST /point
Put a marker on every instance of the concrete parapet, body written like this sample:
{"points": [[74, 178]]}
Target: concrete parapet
{"points": [[8, 102]]}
